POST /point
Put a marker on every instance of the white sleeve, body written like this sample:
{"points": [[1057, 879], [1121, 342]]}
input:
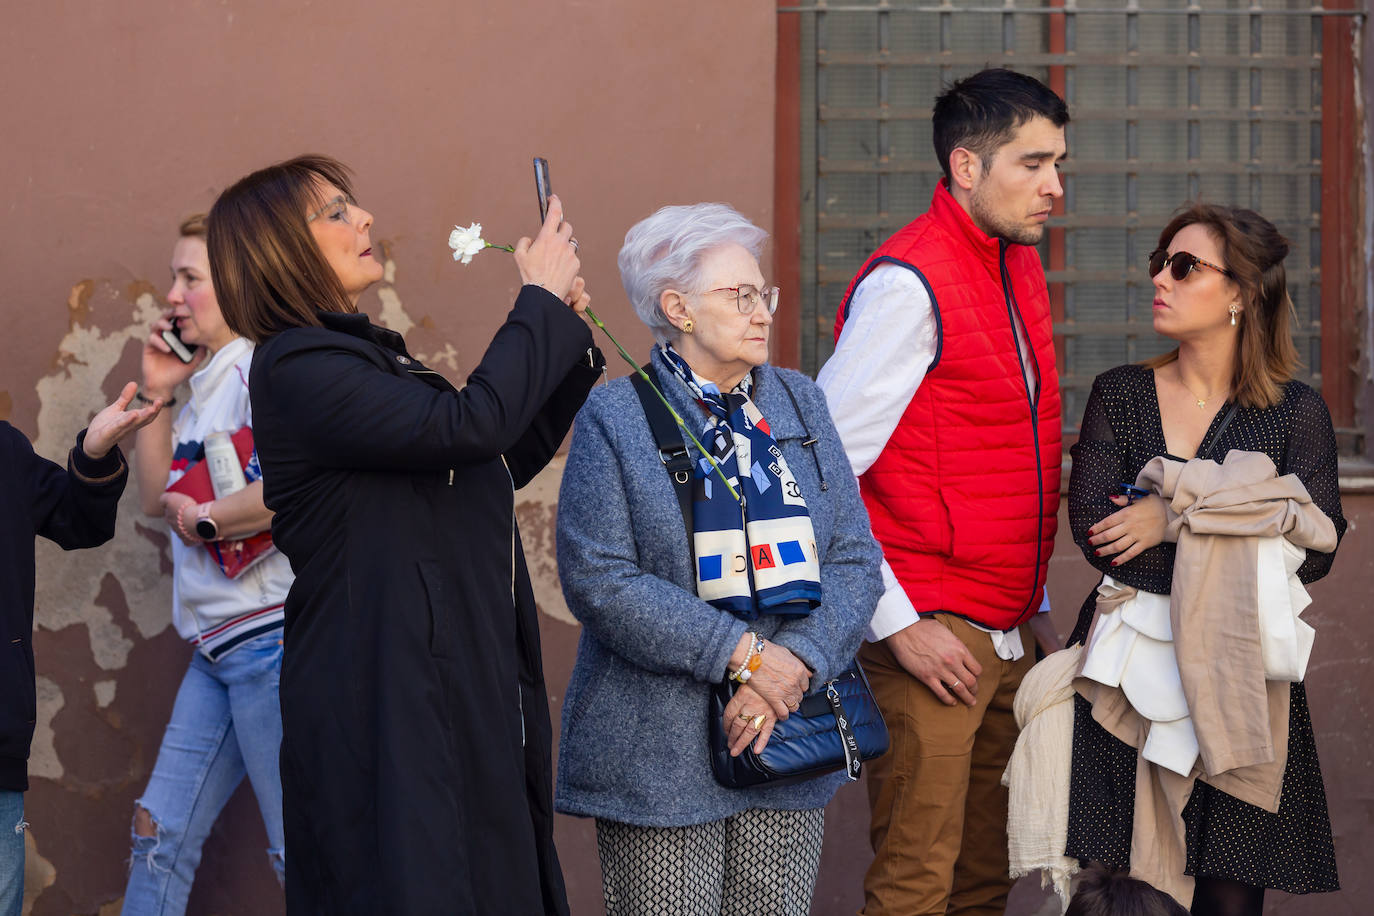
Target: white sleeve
{"points": [[885, 349], [894, 611], [887, 344]]}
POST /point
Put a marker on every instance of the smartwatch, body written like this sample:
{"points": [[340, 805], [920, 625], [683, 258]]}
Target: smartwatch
{"points": [[206, 529]]}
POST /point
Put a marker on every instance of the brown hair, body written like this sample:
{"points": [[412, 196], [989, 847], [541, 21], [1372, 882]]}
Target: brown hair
{"points": [[1254, 251], [269, 273], [1106, 893], [193, 227]]}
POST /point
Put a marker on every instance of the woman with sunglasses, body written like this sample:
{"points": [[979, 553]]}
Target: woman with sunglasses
{"points": [[1220, 293], [773, 589]]}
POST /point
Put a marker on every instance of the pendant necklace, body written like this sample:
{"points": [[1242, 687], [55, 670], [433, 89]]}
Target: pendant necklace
{"points": [[1200, 402]]}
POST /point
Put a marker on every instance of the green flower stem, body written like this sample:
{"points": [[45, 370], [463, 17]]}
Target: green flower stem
{"points": [[502, 247], [677, 419]]}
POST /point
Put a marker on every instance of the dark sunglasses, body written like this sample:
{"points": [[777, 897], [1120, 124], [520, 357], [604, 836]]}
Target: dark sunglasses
{"points": [[1181, 263]]}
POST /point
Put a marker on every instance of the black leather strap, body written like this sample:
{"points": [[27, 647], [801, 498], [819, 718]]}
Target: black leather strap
{"points": [[1216, 437], [809, 443], [672, 451]]}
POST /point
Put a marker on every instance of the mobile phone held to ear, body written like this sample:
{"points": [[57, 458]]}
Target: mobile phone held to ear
{"points": [[542, 187], [173, 339]]}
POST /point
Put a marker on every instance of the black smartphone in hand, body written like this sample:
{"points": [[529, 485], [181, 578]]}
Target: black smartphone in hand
{"points": [[541, 187], [173, 339]]}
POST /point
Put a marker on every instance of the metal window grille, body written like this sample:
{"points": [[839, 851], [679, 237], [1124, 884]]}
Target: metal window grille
{"points": [[1215, 100]]}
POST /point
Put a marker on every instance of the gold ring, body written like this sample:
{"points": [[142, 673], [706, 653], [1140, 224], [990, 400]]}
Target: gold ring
{"points": [[746, 716], [757, 722]]}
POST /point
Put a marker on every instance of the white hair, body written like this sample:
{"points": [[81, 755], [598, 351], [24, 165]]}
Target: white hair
{"points": [[665, 251]]}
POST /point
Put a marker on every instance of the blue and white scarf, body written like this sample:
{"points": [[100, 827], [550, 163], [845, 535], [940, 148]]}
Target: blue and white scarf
{"points": [[756, 556]]}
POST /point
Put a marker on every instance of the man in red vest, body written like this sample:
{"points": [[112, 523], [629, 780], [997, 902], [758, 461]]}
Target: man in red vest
{"points": [[944, 390]]}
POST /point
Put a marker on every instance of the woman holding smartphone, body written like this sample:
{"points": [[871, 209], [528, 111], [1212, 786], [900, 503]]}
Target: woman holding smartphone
{"points": [[227, 721], [416, 760]]}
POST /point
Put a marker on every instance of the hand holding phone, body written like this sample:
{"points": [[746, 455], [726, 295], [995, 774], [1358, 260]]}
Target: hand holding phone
{"points": [[164, 368], [550, 260]]}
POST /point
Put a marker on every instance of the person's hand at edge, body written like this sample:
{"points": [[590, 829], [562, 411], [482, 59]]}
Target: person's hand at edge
{"points": [[117, 421], [937, 658]]}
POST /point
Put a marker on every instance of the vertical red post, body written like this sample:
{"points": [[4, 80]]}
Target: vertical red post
{"points": [[1058, 45], [1342, 260]]}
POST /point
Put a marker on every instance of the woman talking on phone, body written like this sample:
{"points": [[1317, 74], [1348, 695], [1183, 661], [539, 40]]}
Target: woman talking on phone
{"points": [[416, 758], [226, 722]]}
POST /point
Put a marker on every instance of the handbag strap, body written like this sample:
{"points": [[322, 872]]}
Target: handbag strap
{"points": [[808, 443], [672, 451], [1216, 437]]}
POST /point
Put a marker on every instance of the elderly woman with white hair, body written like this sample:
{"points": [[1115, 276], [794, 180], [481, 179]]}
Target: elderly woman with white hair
{"points": [[774, 589]]}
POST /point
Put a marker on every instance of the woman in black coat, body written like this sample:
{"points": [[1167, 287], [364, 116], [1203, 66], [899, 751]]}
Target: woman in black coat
{"points": [[416, 758]]}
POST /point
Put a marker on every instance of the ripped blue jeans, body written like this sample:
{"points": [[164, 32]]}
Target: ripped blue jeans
{"points": [[226, 723], [12, 828]]}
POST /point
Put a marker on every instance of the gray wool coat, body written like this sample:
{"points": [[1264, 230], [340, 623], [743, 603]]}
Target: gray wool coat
{"points": [[634, 737]]}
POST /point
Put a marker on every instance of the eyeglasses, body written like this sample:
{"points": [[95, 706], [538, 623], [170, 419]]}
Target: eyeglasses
{"points": [[1181, 263], [748, 297], [334, 206]]}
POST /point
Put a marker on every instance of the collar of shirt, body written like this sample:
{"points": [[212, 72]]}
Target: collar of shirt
{"points": [[208, 377]]}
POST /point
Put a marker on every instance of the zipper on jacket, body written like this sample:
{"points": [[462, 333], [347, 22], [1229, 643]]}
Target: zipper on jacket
{"points": [[1033, 400], [514, 602]]}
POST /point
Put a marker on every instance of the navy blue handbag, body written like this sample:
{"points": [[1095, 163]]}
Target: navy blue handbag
{"points": [[837, 727]]}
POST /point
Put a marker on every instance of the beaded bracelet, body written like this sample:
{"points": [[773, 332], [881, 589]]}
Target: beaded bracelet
{"points": [[752, 661], [181, 526], [144, 399]]}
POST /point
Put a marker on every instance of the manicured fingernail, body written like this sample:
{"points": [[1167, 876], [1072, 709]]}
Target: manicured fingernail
{"points": [[1097, 553], [1116, 563]]}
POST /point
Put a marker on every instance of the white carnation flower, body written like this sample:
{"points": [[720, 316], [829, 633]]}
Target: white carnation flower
{"points": [[466, 242]]}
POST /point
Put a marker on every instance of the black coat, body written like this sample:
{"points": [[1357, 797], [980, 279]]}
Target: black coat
{"points": [[416, 758], [73, 508]]}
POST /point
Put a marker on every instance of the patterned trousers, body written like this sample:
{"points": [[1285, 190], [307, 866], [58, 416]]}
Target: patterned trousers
{"points": [[755, 862]]}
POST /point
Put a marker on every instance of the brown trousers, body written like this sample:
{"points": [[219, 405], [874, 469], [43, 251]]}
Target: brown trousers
{"points": [[939, 810]]}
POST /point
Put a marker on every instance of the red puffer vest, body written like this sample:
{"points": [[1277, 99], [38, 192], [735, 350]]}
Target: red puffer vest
{"points": [[965, 496]]}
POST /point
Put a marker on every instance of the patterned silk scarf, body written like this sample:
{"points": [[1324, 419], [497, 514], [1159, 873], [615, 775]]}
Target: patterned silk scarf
{"points": [[758, 558]]}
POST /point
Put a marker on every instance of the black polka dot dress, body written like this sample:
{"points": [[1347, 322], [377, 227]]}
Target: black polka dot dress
{"points": [[1226, 838]]}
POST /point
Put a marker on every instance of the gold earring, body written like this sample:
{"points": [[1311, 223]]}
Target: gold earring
{"points": [[688, 325], [1233, 316]]}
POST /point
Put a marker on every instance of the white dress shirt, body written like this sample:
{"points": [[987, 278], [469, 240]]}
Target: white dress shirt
{"points": [[886, 346]]}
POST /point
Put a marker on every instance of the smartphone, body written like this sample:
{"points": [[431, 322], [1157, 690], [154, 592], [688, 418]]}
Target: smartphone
{"points": [[541, 187], [173, 339]]}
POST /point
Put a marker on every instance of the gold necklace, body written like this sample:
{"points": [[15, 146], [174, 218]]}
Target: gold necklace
{"points": [[1201, 402]]}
